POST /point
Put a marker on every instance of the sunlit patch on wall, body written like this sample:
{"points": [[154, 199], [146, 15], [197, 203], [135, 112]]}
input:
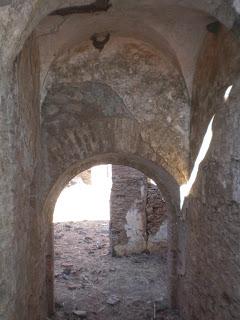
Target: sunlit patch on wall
{"points": [[185, 189], [227, 93]]}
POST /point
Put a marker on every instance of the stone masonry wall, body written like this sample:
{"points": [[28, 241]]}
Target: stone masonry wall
{"points": [[138, 213], [210, 276], [127, 219], [85, 86], [31, 228], [156, 215], [22, 292]]}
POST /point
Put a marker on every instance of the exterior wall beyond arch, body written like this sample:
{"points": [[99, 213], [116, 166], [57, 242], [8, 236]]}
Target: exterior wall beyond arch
{"points": [[138, 214]]}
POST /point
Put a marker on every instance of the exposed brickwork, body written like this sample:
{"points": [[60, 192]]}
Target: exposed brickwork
{"points": [[156, 215], [138, 213], [210, 275], [128, 203]]}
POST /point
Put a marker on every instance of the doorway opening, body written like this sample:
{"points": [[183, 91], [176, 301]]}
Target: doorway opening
{"points": [[110, 241]]}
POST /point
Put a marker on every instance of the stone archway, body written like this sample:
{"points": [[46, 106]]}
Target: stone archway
{"points": [[169, 189]]}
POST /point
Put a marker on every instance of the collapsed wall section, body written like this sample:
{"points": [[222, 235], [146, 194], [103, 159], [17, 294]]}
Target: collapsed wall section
{"points": [[157, 222], [138, 220], [127, 207]]}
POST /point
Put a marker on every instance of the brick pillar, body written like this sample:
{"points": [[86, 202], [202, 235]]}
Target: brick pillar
{"points": [[128, 217]]}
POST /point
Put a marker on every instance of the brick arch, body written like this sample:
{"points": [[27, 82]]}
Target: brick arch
{"points": [[73, 141], [143, 106], [67, 145]]}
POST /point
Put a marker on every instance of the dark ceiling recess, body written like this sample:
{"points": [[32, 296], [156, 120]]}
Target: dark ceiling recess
{"points": [[100, 39], [214, 27], [97, 6]]}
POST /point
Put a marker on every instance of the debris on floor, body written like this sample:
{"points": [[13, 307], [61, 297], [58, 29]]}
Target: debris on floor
{"points": [[91, 284]]}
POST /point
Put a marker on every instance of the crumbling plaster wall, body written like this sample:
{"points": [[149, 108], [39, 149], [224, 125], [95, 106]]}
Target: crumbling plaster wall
{"points": [[127, 211], [210, 276], [157, 220], [22, 229], [19, 18], [162, 28], [134, 83], [93, 108], [138, 220]]}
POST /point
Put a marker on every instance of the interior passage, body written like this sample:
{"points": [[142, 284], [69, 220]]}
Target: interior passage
{"points": [[153, 86], [110, 245]]}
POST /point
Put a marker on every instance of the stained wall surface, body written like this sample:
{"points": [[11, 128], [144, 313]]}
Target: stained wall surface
{"points": [[138, 221], [127, 211], [129, 85], [210, 277], [157, 220], [23, 243]]}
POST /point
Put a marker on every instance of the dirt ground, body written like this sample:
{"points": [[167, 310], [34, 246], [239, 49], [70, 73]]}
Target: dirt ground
{"points": [[90, 284]]}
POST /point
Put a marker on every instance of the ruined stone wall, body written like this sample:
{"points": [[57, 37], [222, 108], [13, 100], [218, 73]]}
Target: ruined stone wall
{"points": [[33, 298], [127, 211], [156, 216], [138, 213], [210, 276], [23, 292], [8, 246]]}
